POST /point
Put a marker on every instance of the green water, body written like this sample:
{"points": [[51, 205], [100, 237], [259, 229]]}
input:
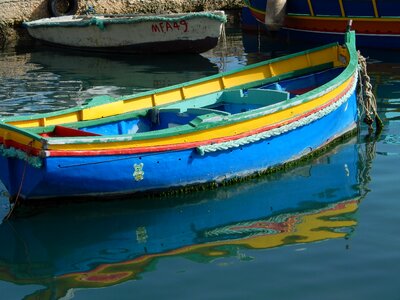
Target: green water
{"points": [[327, 229]]}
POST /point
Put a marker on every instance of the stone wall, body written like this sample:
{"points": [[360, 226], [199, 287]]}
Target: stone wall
{"points": [[14, 12]]}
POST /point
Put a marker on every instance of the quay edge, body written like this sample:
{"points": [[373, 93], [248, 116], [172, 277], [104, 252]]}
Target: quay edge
{"points": [[14, 12]]}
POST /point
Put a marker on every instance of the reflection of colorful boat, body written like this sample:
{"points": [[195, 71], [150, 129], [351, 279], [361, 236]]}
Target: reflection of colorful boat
{"points": [[102, 244], [376, 22], [249, 22], [208, 131], [189, 33]]}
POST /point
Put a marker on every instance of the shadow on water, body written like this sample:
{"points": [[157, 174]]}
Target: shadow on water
{"points": [[91, 245], [43, 80], [138, 71]]}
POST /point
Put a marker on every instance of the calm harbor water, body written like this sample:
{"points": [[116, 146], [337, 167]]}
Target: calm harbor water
{"points": [[326, 229]]}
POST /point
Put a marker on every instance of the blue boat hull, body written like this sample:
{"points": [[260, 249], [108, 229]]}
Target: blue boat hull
{"points": [[125, 174]]}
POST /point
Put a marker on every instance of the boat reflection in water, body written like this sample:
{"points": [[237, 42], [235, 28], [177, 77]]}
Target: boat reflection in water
{"points": [[137, 72], [88, 245], [43, 80]]}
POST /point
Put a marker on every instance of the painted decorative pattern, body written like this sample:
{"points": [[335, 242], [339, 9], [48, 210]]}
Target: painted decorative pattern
{"points": [[139, 173]]}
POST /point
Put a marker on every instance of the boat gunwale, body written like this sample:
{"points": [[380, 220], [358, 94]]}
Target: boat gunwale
{"points": [[91, 20]]}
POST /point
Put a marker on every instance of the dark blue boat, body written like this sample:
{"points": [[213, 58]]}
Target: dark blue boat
{"points": [[376, 22]]}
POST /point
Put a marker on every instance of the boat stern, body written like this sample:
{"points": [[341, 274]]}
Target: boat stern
{"points": [[18, 176], [20, 162]]}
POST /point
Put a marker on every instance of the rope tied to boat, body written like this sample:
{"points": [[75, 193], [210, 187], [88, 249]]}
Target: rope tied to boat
{"points": [[366, 98], [17, 197]]}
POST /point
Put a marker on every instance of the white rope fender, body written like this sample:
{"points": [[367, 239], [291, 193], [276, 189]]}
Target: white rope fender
{"points": [[278, 131]]}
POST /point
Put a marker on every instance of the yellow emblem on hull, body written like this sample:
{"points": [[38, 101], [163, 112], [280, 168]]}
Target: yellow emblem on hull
{"points": [[139, 173]]}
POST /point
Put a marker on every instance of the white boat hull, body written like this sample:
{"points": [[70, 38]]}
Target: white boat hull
{"points": [[161, 33]]}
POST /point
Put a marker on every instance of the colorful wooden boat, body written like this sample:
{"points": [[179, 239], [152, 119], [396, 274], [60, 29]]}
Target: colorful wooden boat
{"points": [[189, 33], [207, 131], [376, 22], [106, 244]]}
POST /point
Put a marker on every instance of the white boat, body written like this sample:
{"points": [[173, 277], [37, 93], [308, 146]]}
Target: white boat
{"points": [[185, 32]]}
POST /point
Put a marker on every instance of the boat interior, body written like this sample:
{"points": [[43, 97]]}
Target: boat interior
{"points": [[207, 108]]}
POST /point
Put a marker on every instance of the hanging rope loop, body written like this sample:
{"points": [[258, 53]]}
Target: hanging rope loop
{"points": [[366, 98]]}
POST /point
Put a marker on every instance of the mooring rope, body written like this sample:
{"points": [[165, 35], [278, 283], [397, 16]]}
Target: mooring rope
{"points": [[366, 98], [17, 198], [10, 213], [224, 48]]}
